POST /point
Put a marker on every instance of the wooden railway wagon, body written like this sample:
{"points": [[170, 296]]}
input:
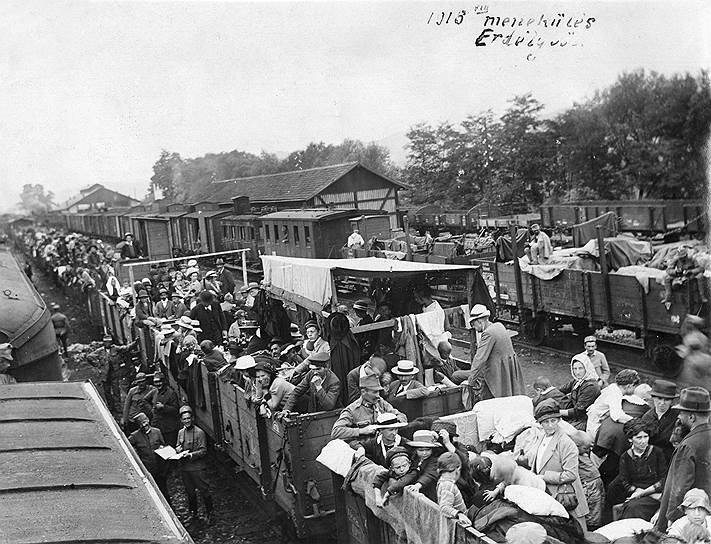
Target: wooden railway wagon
{"points": [[649, 216], [318, 233], [435, 218], [239, 231], [357, 524], [589, 300], [70, 475], [25, 323]]}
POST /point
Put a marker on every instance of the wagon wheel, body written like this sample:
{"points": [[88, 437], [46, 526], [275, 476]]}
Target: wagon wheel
{"points": [[537, 329], [663, 357]]}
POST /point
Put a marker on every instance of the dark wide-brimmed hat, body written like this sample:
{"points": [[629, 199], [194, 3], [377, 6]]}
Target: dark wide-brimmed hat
{"points": [[439, 424], [694, 399], [664, 389], [546, 409]]}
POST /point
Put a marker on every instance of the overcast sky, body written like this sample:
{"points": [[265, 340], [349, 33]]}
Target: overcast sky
{"points": [[92, 91]]}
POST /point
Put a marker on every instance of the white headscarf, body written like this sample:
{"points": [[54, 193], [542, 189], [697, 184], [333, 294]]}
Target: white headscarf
{"points": [[590, 373]]}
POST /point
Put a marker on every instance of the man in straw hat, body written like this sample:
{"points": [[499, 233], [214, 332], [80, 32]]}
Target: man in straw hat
{"points": [[495, 369], [359, 419], [386, 438], [318, 390], [192, 444], [662, 418], [405, 373], [691, 462]]}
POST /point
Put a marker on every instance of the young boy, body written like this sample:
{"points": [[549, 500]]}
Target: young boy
{"points": [[590, 478], [449, 497], [399, 474], [544, 390], [696, 509]]}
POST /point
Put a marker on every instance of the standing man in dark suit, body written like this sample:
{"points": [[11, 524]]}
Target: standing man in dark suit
{"points": [[225, 277], [691, 462], [496, 371], [211, 318]]}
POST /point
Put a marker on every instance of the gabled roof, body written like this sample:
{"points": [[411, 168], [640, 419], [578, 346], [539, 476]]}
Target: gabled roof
{"points": [[90, 192], [318, 214], [294, 186]]}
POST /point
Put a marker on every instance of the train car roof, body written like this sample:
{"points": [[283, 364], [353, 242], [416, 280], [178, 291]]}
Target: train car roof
{"points": [[206, 213], [310, 279], [22, 310], [318, 214], [70, 475]]}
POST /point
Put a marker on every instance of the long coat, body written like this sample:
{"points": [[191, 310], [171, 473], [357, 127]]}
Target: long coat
{"points": [[227, 281], [690, 467], [559, 465], [495, 361], [212, 322]]}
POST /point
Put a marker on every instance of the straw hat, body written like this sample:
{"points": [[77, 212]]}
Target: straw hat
{"points": [[405, 368], [424, 439], [245, 362], [478, 311], [386, 420]]}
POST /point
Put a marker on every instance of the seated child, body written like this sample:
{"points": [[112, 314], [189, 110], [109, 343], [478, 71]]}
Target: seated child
{"points": [[544, 389], [449, 497], [696, 508], [400, 473]]}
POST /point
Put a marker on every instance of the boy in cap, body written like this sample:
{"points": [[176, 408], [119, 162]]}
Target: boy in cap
{"points": [[192, 443], [61, 327], [164, 307], [598, 360], [399, 475], [696, 509], [318, 390], [425, 444]]}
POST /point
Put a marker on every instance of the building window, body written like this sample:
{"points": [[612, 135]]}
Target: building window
{"points": [[241, 233], [251, 233], [267, 232], [233, 232], [284, 234], [307, 236], [225, 232], [276, 233], [296, 235]]}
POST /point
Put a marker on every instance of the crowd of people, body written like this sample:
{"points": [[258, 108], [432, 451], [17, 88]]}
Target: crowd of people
{"points": [[604, 447]]}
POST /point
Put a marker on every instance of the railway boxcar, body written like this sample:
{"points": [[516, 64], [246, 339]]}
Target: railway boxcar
{"points": [[25, 323], [317, 233], [648, 216], [70, 475]]}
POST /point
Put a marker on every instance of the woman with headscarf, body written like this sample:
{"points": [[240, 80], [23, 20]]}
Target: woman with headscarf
{"points": [[582, 391]]}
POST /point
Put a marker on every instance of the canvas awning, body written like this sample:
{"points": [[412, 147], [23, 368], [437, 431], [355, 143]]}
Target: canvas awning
{"points": [[310, 279]]}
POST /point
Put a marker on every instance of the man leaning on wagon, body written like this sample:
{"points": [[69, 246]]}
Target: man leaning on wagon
{"points": [[359, 418]]}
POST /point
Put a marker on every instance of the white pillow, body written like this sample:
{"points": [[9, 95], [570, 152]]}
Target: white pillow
{"points": [[624, 527], [534, 501]]}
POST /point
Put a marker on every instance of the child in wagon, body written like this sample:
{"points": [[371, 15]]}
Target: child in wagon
{"points": [[399, 474]]}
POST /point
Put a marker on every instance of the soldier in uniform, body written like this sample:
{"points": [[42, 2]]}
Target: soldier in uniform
{"points": [[112, 367], [193, 445], [139, 399], [61, 327], [165, 409], [145, 441]]}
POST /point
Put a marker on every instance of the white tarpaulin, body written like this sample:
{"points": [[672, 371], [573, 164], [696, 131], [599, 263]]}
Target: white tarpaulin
{"points": [[311, 278]]}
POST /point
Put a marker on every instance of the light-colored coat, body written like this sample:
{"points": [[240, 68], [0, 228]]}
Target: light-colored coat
{"points": [[559, 466]]}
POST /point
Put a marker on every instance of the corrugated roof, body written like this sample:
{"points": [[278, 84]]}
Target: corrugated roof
{"points": [[69, 474], [295, 186], [315, 213]]}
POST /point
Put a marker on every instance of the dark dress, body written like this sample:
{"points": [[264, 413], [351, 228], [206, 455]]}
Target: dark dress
{"points": [[579, 400], [642, 472], [662, 429]]}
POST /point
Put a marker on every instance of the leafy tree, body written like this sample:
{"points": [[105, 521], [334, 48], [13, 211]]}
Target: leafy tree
{"points": [[35, 200], [167, 173]]}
